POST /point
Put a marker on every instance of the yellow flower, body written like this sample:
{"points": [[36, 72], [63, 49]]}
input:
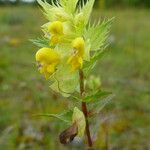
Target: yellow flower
{"points": [[55, 40], [48, 59], [56, 31], [76, 60], [56, 28]]}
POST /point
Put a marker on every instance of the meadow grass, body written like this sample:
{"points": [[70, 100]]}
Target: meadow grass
{"points": [[24, 92]]}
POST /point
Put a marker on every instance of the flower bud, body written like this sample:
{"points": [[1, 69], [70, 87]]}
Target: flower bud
{"points": [[79, 118], [94, 82]]}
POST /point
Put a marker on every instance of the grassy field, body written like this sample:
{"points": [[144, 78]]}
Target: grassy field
{"points": [[125, 71]]}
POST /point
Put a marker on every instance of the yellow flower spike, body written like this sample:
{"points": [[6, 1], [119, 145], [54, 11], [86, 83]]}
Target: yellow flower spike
{"points": [[76, 60], [56, 28], [48, 59]]}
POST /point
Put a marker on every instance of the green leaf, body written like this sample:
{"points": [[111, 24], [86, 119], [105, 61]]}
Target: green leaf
{"points": [[50, 10], [40, 42], [93, 83], [98, 34], [99, 105], [66, 116], [46, 7], [65, 81], [89, 65], [63, 3], [93, 59], [96, 96], [86, 9], [69, 5]]}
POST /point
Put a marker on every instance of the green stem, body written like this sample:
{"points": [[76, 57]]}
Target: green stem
{"points": [[85, 111]]}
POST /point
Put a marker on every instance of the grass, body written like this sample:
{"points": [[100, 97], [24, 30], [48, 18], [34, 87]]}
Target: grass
{"points": [[23, 92]]}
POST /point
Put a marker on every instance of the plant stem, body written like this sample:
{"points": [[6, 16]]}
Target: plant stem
{"points": [[85, 111]]}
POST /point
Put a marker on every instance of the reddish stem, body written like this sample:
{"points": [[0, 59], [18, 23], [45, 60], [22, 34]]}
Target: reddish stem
{"points": [[85, 111]]}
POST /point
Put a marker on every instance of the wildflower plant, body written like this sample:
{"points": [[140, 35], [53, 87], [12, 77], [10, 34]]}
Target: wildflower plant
{"points": [[69, 50]]}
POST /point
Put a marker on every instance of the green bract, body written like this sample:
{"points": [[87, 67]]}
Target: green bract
{"points": [[68, 21], [79, 119]]}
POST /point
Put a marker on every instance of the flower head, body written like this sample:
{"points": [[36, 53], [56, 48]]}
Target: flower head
{"points": [[94, 82], [76, 59], [48, 59], [68, 22]]}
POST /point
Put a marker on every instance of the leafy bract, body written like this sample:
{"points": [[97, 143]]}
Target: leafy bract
{"points": [[98, 34], [99, 105], [53, 11], [46, 9], [82, 15], [40, 42], [65, 81], [79, 119], [89, 65], [86, 9], [69, 5], [96, 96], [65, 116], [87, 50]]}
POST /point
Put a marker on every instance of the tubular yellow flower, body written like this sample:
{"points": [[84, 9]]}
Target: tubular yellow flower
{"points": [[56, 28], [56, 31], [55, 39], [48, 59], [76, 60]]}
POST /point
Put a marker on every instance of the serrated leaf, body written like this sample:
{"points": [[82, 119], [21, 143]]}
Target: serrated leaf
{"points": [[50, 10], [44, 4], [99, 105], [96, 96], [66, 116], [65, 81], [40, 42], [46, 8], [93, 59], [86, 9], [63, 2], [98, 34], [69, 5], [89, 65]]}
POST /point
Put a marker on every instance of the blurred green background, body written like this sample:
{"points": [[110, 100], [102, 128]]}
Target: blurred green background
{"points": [[125, 70]]}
